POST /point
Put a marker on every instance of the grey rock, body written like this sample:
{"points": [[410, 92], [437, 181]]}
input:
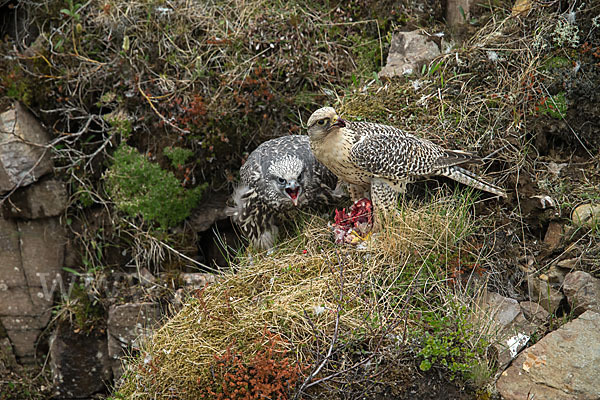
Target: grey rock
{"points": [[11, 269], [24, 343], [42, 249], [408, 51], [47, 198], [211, 210], [127, 327], [31, 257], [503, 319], [8, 362], [561, 366], [534, 312], [540, 291], [582, 291], [458, 12], [587, 215], [24, 157], [79, 362], [195, 280]]}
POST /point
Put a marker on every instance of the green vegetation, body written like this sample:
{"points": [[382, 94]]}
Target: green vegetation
{"points": [[177, 155], [451, 341], [81, 310], [554, 106], [141, 188]]}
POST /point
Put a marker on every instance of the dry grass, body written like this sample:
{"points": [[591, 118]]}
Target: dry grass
{"points": [[312, 294]]}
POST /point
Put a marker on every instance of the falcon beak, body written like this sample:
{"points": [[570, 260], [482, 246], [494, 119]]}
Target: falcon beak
{"points": [[293, 190], [338, 122]]}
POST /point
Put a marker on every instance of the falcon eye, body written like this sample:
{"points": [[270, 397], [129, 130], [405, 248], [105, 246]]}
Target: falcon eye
{"points": [[321, 122], [281, 181]]}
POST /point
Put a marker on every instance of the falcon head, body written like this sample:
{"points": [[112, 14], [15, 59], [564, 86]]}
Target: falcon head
{"points": [[286, 178], [322, 122]]}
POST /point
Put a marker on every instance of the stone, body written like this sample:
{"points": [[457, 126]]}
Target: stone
{"points": [[502, 317], [47, 198], [24, 157], [11, 271], [556, 274], [128, 326], [197, 280], [554, 234], [31, 258], [458, 12], [42, 249], [24, 343], [408, 51], [8, 362], [79, 362], [582, 291], [16, 302], [563, 365], [587, 215], [534, 312], [544, 293], [211, 210]]}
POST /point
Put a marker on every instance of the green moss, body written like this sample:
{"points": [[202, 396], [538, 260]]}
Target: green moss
{"points": [[141, 188], [555, 106], [556, 62]]}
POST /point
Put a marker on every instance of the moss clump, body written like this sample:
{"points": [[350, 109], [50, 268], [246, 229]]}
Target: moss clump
{"points": [[141, 188], [554, 106]]}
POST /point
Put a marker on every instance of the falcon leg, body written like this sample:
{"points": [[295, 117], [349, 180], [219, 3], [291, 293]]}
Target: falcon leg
{"points": [[357, 192], [384, 199]]}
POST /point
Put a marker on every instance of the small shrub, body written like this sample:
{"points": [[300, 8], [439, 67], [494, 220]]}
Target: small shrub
{"points": [[177, 155], [451, 342], [270, 374], [141, 188]]}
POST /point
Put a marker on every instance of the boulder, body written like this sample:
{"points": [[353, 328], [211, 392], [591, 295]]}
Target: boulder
{"points": [[127, 327], [582, 291], [543, 293], [24, 157], [563, 365], [31, 257], [554, 234], [8, 362], [79, 362], [502, 317], [408, 51], [47, 198], [534, 312], [587, 215], [211, 210]]}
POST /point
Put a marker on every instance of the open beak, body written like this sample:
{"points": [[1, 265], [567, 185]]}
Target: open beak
{"points": [[293, 191], [338, 122]]}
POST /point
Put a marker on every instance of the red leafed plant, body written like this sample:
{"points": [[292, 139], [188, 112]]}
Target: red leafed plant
{"points": [[269, 374]]}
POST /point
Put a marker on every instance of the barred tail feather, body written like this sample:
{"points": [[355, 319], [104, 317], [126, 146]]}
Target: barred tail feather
{"points": [[468, 178]]}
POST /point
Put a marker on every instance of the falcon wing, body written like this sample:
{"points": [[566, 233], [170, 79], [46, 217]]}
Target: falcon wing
{"points": [[394, 154]]}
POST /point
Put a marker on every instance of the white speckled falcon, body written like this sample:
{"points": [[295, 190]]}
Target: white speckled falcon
{"points": [[279, 177], [382, 159]]}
